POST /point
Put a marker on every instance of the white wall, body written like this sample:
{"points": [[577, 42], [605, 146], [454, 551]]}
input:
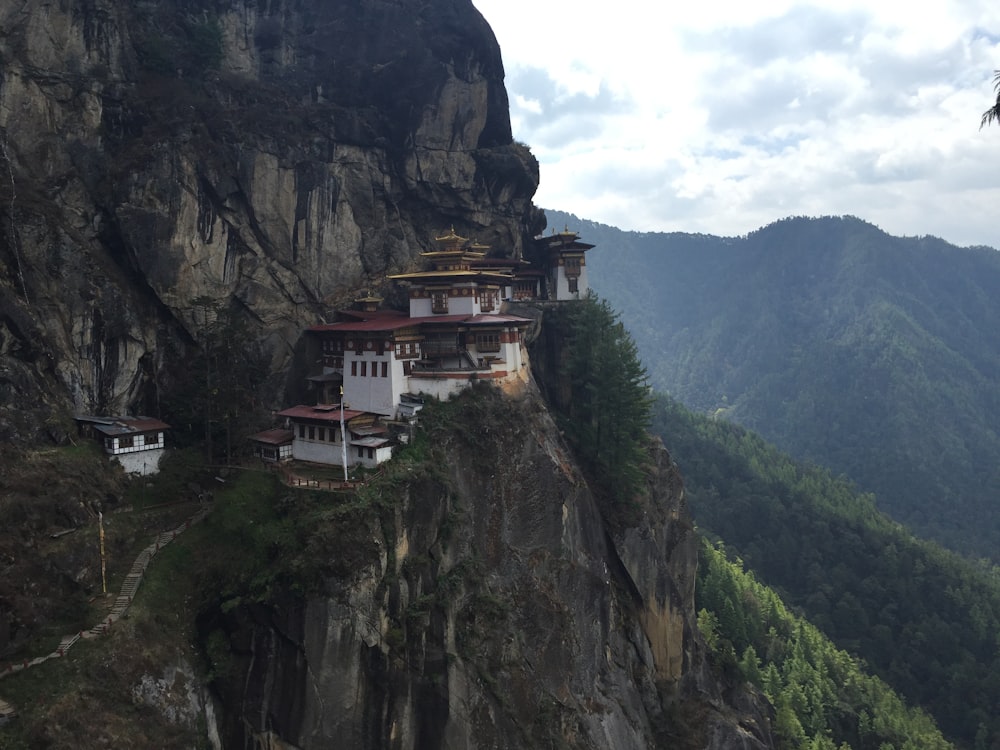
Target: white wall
{"points": [[511, 352], [562, 284], [375, 394], [143, 462], [140, 442], [420, 307], [463, 305], [317, 451], [379, 455]]}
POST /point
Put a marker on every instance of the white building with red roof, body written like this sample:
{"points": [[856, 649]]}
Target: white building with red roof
{"points": [[453, 334], [377, 364], [273, 445], [137, 443], [319, 434]]}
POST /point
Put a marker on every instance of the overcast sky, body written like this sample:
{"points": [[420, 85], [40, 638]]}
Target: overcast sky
{"points": [[722, 117]]}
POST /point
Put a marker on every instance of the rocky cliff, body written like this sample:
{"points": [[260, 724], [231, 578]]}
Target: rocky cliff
{"points": [[161, 159], [487, 605]]}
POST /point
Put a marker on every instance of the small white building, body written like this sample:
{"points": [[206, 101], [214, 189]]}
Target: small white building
{"points": [[273, 446], [137, 443], [317, 436], [565, 264]]}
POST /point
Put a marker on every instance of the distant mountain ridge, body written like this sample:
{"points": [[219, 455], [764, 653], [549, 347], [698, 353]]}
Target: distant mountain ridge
{"points": [[871, 354]]}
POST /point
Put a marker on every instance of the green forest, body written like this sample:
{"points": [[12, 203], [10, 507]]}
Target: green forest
{"points": [[844, 346], [822, 697], [923, 619]]}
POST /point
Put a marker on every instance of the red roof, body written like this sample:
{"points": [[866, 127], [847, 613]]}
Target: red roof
{"points": [[473, 320], [274, 437], [115, 426], [319, 413], [386, 323], [395, 323]]}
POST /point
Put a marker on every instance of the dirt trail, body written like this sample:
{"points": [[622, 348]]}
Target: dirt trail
{"points": [[121, 604]]}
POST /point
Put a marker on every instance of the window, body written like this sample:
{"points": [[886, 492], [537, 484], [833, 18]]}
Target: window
{"points": [[488, 342], [302, 431], [364, 368], [385, 369], [439, 302], [354, 368], [322, 433], [361, 452], [125, 441], [312, 432], [573, 286], [407, 368], [487, 301], [371, 453]]}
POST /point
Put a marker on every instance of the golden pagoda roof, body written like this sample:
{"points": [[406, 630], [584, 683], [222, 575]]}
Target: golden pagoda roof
{"points": [[472, 275], [455, 253], [452, 239], [564, 240]]}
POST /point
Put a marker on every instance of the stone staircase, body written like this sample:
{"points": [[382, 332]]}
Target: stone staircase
{"points": [[118, 609], [7, 712]]}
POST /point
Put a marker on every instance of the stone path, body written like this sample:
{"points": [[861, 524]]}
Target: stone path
{"points": [[118, 609]]}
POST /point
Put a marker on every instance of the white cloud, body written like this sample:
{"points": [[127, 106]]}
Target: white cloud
{"points": [[724, 117]]}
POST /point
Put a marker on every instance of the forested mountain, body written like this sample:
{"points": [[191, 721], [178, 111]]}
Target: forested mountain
{"points": [[924, 619], [822, 696], [870, 354]]}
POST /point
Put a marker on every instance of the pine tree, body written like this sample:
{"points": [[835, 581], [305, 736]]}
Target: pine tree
{"points": [[609, 412]]}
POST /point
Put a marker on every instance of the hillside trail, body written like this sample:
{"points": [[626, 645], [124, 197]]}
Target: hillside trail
{"points": [[118, 609]]}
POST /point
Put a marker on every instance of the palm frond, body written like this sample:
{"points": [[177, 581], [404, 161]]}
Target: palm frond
{"points": [[993, 113]]}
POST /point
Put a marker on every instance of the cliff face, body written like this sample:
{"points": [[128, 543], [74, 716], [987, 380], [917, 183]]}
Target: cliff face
{"points": [[159, 159], [488, 606]]}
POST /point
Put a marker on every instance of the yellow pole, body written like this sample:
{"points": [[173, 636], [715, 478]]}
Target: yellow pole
{"points": [[104, 580]]}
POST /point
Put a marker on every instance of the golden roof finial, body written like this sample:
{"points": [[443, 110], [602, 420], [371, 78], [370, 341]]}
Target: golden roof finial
{"points": [[452, 239]]}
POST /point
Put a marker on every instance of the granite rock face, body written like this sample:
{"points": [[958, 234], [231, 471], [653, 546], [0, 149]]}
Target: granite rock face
{"points": [[273, 158]]}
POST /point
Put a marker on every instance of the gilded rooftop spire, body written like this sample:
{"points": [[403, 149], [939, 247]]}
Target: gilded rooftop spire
{"points": [[451, 240]]}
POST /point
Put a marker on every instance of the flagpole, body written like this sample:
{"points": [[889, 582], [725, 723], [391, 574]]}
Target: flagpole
{"points": [[104, 580], [343, 434]]}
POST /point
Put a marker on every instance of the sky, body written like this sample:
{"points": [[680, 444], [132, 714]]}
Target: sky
{"points": [[723, 117]]}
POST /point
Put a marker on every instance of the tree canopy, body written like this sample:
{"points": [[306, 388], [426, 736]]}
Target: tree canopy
{"points": [[924, 619], [606, 415]]}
